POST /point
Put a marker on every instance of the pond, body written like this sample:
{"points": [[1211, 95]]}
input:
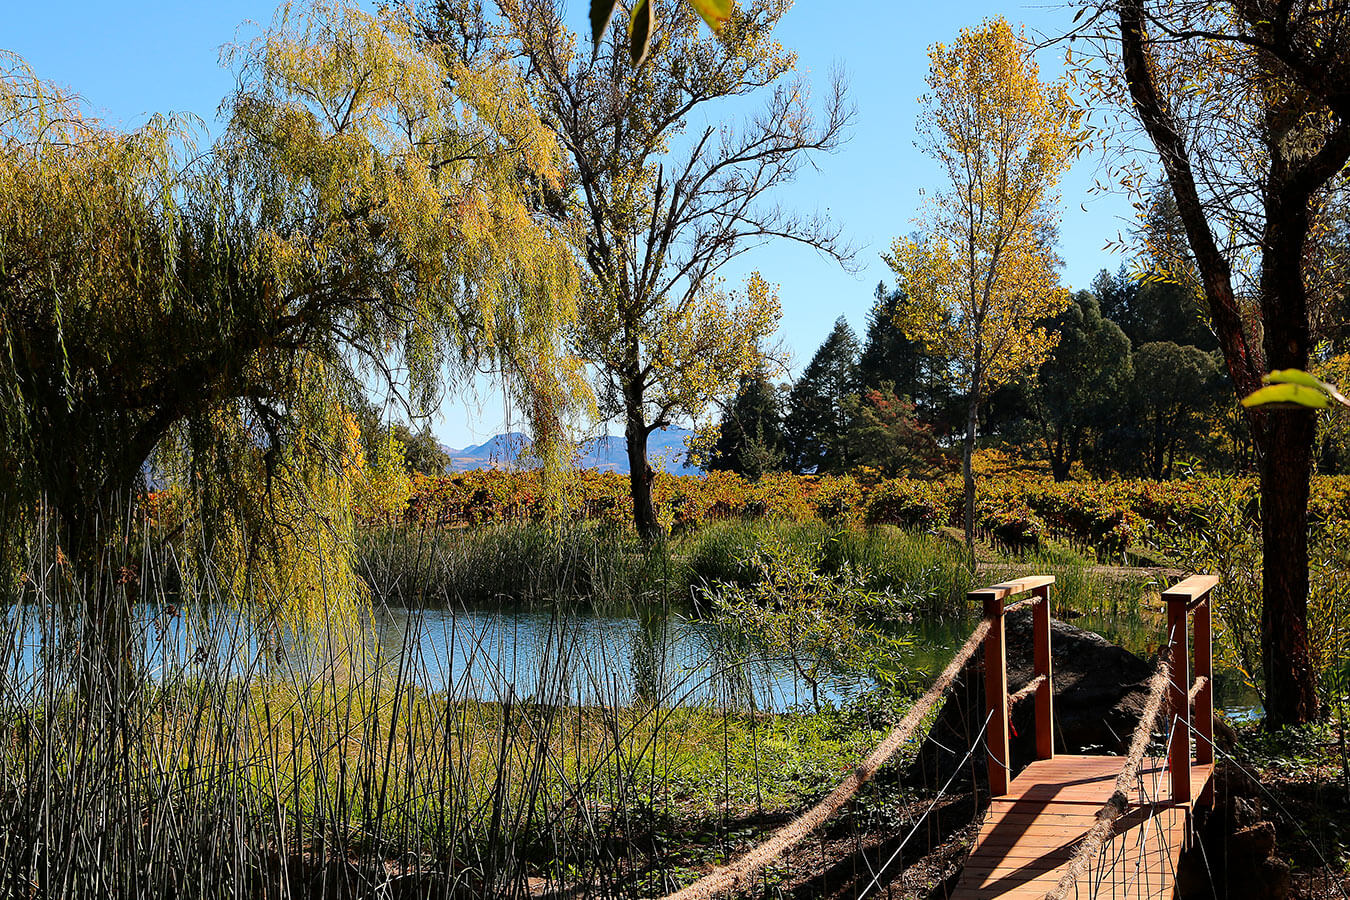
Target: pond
{"points": [[572, 657]]}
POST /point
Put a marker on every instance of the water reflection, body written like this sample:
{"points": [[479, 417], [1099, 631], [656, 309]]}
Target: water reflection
{"points": [[575, 657], [583, 658]]}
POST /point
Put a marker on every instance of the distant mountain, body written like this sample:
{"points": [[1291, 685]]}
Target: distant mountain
{"points": [[501, 451], [665, 450]]}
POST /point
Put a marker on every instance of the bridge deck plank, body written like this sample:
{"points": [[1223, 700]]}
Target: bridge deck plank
{"points": [[1029, 835]]}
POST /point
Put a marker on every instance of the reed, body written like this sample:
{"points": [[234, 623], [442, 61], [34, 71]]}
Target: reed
{"points": [[238, 758]]}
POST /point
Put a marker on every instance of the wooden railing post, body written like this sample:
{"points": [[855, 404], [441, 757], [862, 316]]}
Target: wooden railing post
{"points": [[1179, 707], [993, 602], [1204, 697], [996, 694], [1183, 598], [1045, 696]]}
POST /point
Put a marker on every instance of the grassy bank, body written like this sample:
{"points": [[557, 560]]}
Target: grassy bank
{"points": [[231, 756]]}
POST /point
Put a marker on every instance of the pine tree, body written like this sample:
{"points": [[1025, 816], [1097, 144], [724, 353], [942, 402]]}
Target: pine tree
{"points": [[888, 356], [750, 440], [817, 420]]}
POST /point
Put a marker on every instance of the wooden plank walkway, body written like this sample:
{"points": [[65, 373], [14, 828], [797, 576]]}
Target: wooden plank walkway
{"points": [[1029, 834]]}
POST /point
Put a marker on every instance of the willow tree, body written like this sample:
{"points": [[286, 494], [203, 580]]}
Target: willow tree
{"points": [[983, 271], [659, 202], [1246, 107], [372, 207]]}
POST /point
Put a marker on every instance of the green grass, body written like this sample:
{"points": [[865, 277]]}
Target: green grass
{"points": [[224, 772]]}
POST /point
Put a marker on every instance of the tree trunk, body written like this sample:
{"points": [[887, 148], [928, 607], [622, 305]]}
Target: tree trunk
{"points": [[1064, 451], [640, 478], [96, 612], [968, 469], [1285, 440], [1282, 440], [1286, 467]]}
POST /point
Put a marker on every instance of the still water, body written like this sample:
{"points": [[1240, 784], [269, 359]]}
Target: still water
{"points": [[573, 657]]}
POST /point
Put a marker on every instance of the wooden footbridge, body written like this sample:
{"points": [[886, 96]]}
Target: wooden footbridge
{"points": [[1092, 825], [1099, 827]]}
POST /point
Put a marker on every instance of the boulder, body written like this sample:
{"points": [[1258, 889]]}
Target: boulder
{"points": [[1234, 854]]}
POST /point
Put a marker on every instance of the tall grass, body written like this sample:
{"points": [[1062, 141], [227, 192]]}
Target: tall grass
{"points": [[238, 759], [527, 564], [530, 564]]}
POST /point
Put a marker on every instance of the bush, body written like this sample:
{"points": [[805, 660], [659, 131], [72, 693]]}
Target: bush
{"points": [[1014, 509]]}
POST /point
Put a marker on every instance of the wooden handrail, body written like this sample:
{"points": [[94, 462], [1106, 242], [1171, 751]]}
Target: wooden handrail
{"points": [[1188, 605], [1011, 588], [1192, 590], [993, 600]]}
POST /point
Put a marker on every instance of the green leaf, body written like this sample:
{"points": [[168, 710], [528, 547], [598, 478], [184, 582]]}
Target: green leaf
{"points": [[601, 12], [640, 31], [1300, 377], [1287, 395], [714, 12], [1293, 376]]}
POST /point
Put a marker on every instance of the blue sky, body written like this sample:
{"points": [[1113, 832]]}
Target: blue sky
{"points": [[132, 59]]}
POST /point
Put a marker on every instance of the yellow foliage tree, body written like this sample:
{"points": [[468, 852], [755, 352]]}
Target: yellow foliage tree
{"points": [[385, 485], [662, 201], [373, 209], [982, 273]]}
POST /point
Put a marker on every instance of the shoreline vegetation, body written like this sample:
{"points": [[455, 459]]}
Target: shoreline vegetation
{"points": [[312, 761]]}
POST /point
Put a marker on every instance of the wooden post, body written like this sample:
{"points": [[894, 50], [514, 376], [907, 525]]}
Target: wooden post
{"points": [[1204, 698], [996, 695], [1179, 752], [1045, 697]]}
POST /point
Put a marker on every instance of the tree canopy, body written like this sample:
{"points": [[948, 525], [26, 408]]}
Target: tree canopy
{"points": [[372, 207], [658, 202], [1082, 381]]}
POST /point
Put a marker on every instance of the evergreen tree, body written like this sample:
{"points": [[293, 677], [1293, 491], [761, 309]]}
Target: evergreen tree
{"points": [[913, 372], [1150, 310], [816, 429], [1083, 383], [750, 440]]}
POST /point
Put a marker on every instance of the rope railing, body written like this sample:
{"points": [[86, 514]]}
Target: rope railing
{"points": [[1103, 828], [1028, 690], [738, 874]]}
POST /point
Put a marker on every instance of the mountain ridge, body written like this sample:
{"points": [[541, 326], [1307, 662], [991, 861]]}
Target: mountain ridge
{"points": [[665, 451]]}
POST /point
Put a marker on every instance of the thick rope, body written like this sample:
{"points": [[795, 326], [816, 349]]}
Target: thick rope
{"points": [[876, 878], [1027, 690], [1104, 827], [738, 874], [1197, 688]]}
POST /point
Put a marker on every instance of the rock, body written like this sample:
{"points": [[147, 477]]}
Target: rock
{"points": [[1234, 855], [1100, 691]]}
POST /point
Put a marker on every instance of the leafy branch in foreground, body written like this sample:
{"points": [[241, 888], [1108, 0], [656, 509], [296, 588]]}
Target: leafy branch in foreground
{"points": [[1292, 388], [823, 625], [642, 22]]}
